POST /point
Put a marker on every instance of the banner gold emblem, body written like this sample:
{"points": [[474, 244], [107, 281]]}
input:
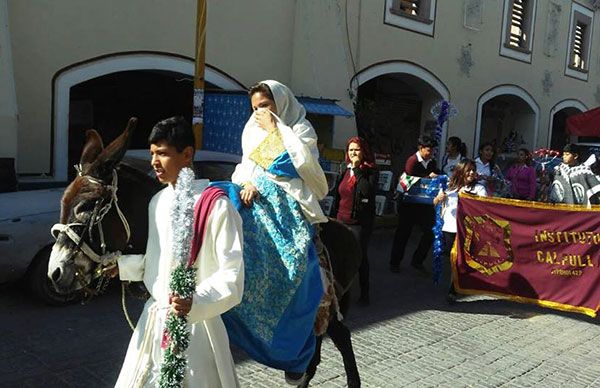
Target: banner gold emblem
{"points": [[487, 244]]}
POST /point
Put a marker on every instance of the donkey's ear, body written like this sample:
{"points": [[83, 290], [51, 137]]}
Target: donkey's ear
{"points": [[114, 152], [92, 147]]}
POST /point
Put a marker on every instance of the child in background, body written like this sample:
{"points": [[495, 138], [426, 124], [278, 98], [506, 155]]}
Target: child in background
{"points": [[463, 180]]}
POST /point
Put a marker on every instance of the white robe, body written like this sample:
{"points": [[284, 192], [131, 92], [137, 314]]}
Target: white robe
{"points": [[220, 282]]}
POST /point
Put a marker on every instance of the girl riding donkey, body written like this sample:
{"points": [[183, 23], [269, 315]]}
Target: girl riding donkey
{"points": [[281, 182]]}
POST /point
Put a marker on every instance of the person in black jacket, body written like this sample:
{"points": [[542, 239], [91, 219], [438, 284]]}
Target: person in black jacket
{"points": [[420, 164], [354, 203]]}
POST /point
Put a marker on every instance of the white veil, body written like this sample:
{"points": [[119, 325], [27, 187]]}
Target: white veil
{"points": [[300, 141]]}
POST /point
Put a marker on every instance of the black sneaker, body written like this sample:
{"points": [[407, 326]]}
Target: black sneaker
{"points": [[294, 378]]}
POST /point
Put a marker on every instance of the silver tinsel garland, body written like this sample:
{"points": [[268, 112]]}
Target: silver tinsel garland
{"points": [[182, 216], [182, 282]]}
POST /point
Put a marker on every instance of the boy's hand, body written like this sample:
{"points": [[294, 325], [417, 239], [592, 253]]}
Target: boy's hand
{"points": [[181, 306]]}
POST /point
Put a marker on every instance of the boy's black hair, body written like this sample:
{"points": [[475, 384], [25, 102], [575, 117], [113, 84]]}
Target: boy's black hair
{"points": [[427, 141], [176, 131], [571, 148]]}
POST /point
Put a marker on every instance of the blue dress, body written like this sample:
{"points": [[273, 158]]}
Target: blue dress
{"points": [[282, 282]]}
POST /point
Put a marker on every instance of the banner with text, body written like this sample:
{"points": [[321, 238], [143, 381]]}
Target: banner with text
{"points": [[529, 252]]}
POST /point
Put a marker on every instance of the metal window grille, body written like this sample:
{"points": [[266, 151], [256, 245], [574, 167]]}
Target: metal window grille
{"points": [[578, 50], [518, 24]]}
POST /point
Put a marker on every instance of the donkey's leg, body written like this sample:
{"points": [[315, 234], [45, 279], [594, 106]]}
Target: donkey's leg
{"points": [[340, 335], [314, 363]]}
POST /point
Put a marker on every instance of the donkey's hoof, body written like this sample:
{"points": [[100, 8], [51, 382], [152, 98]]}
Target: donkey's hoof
{"points": [[353, 383]]}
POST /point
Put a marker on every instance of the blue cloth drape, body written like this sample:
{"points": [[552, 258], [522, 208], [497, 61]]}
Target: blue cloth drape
{"points": [[282, 282], [283, 166]]}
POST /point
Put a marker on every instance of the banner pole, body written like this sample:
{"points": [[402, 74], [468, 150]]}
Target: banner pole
{"points": [[198, 114]]}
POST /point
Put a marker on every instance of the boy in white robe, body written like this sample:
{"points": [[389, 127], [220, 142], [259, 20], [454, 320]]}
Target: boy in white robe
{"points": [[219, 279]]}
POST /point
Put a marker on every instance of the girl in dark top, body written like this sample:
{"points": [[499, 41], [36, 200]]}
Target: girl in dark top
{"points": [[354, 203], [456, 151], [487, 169]]}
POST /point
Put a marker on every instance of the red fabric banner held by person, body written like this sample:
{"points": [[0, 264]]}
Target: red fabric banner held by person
{"points": [[529, 252]]}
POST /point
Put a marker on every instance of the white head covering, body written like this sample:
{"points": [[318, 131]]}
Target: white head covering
{"points": [[292, 114], [300, 141], [289, 110]]}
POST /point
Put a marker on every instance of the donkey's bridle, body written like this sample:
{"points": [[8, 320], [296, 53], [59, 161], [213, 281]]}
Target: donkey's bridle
{"points": [[101, 208]]}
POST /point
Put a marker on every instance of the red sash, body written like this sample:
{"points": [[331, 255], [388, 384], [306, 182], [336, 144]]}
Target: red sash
{"points": [[202, 210]]}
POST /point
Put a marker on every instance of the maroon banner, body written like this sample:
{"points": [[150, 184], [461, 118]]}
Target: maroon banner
{"points": [[529, 252], [584, 124]]}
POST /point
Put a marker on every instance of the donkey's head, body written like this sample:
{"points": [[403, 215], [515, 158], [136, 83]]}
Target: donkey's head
{"points": [[90, 215]]}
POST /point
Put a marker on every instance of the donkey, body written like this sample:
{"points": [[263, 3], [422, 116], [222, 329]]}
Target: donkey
{"points": [[97, 211], [104, 212]]}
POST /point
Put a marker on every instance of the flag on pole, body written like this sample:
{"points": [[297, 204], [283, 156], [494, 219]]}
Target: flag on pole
{"points": [[406, 182]]}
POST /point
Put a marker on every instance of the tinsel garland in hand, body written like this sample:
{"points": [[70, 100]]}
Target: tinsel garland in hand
{"points": [[442, 111], [437, 183], [182, 283]]}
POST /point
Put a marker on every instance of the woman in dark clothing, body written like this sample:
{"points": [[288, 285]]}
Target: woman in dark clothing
{"points": [[354, 203]]}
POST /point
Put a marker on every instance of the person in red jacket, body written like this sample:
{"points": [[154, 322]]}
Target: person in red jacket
{"points": [[354, 202], [420, 164]]}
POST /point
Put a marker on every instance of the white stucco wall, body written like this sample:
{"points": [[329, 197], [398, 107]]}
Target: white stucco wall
{"points": [[317, 47], [48, 36], [8, 99]]}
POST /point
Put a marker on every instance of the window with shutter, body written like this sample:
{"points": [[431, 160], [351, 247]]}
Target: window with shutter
{"points": [[578, 46], [518, 24], [418, 9], [577, 64], [415, 15], [410, 7], [517, 29]]}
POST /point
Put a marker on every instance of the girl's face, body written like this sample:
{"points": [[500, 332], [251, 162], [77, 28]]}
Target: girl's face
{"points": [[487, 153], [471, 175], [451, 148], [259, 100], [522, 157]]}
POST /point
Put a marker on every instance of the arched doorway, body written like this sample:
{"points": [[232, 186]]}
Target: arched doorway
{"points": [[559, 114], [508, 117], [106, 103], [104, 92], [393, 107]]}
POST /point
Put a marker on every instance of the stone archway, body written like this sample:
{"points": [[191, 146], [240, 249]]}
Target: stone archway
{"points": [[396, 98], [505, 109], [557, 136], [94, 68]]}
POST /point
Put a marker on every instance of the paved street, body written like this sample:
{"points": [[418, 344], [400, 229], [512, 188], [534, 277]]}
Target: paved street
{"points": [[408, 337]]}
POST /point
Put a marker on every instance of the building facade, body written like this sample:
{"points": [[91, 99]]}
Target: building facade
{"points": [[514, 69]]}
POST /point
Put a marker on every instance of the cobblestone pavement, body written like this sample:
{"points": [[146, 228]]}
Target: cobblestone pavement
{"points": [[408, 337]]}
